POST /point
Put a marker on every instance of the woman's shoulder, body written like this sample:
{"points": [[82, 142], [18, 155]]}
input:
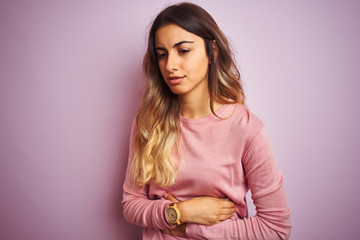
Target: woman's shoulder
{"points": [[241, 117]]}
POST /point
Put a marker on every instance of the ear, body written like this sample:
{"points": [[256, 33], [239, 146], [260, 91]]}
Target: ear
{"points": [[215, 49]]}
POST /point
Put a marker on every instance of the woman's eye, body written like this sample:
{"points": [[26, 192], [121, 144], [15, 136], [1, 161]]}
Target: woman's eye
{"points": [[161, 55], [183, 51]]}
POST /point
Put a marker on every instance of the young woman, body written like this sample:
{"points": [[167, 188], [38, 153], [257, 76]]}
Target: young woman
{"points": [[195, 149]]}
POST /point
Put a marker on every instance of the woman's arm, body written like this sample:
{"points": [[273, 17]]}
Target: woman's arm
{"points": [[272, 220], [140, 210], [137, 207]]}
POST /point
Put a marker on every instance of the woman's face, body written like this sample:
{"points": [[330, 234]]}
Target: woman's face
{"points": [[182, 60]]}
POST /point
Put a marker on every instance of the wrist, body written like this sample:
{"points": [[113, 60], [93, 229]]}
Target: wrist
{"points": [[173, 214], [182, 208]]}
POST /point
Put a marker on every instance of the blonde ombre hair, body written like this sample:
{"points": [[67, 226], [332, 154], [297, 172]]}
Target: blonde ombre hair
{"points": [[158, 118]]}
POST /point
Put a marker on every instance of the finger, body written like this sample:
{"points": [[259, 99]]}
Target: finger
{"points": [[225, 217], [227, 204], [170, 197], [227, 211]]}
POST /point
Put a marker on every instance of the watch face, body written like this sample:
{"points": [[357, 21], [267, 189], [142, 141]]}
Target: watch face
{"points": [[171, 215]]}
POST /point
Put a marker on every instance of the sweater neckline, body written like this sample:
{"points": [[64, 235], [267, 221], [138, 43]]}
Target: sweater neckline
{"points": [[218, 112]]}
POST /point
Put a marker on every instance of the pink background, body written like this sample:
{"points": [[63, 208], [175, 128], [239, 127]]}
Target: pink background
{"points": [[70, 80]]}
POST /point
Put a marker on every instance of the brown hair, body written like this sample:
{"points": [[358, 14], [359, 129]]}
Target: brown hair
{"points": [[158, 116]]}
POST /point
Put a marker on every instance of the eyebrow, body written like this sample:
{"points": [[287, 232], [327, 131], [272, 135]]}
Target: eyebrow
{"points": [[175, 45]]}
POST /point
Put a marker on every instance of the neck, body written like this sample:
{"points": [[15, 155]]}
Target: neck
{"points": [[196, 105]]}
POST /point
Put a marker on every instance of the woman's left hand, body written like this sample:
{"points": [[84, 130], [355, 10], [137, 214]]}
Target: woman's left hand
{"points": [[180, 230]]}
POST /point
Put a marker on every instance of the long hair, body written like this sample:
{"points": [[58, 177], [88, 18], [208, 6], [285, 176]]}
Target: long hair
{"points": [[157, 119]]}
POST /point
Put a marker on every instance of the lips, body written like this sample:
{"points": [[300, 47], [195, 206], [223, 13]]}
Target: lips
{"points": [[175, 79]]}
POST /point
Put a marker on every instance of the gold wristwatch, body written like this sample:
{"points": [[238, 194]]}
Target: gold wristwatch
{"points": [[173, 214]]}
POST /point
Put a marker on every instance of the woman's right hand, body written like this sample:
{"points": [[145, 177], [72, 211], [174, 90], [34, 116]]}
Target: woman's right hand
{"points": [[205, 210]]}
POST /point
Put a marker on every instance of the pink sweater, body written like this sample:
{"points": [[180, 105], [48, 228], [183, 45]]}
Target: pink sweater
{"points": [[220, 158]]}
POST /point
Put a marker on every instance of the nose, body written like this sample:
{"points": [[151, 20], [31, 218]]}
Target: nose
{"points": [[172, 63]]}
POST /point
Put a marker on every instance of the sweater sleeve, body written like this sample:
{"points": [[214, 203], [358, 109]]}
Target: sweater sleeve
{"points": [[272, 219], [137, 207]]}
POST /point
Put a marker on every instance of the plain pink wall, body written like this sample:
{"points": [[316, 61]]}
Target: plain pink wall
{"points": [[70, 80]]}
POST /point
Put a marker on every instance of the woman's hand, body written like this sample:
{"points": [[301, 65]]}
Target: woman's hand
{"points": [[204, 210]]}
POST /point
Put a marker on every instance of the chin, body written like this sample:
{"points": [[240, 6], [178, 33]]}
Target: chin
{"points": [[177, 90]]}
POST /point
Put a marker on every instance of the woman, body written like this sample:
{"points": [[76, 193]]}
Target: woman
{"points": [[195, 149]]}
